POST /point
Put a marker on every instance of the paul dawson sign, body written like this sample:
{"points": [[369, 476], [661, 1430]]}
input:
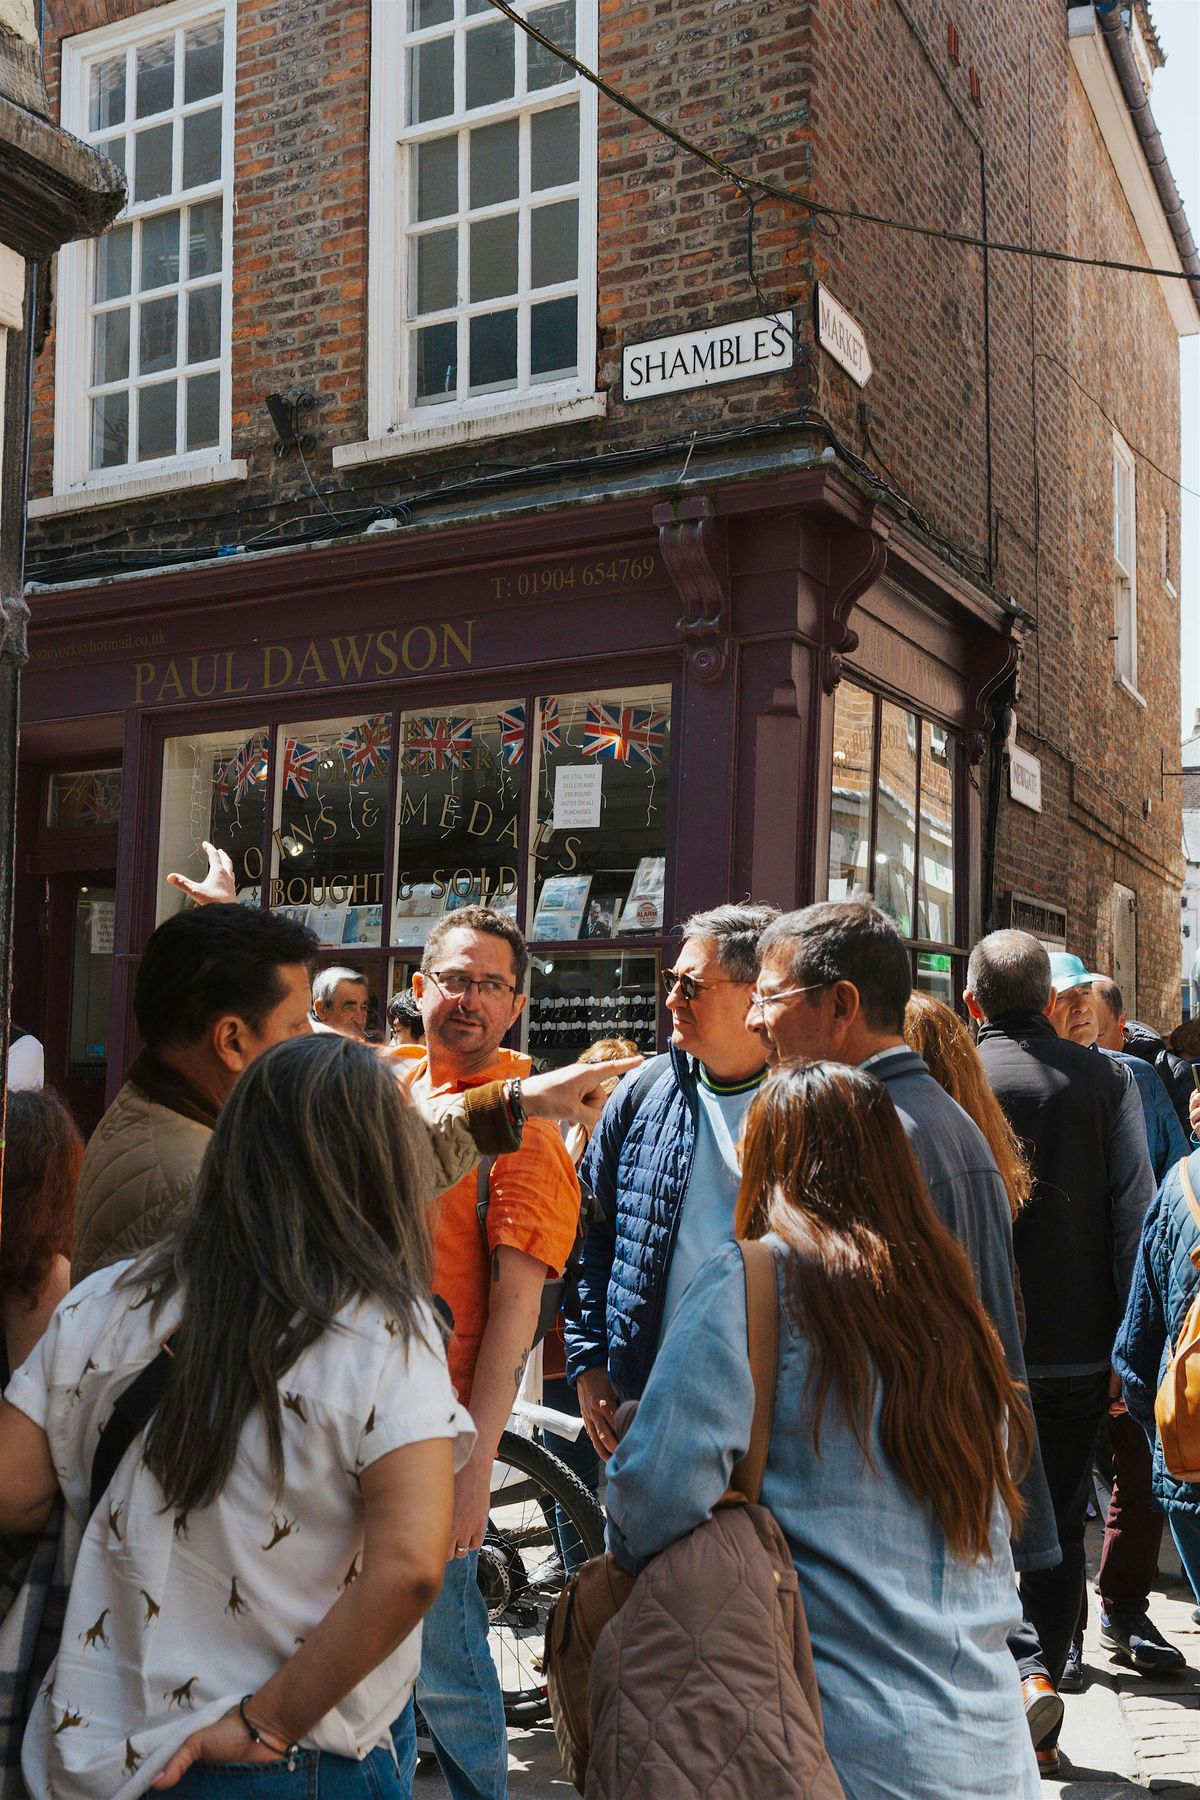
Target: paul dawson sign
{"points": [[698, 359]]}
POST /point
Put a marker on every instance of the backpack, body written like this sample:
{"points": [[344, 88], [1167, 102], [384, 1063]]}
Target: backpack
{"points": [[696, 1677], [1177, 1402]]}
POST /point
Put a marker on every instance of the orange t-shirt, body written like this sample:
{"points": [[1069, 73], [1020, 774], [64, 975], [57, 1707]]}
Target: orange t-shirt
{"points": [[534, 1207]]}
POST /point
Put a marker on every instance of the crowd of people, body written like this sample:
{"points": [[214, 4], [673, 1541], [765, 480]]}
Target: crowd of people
{"points": [[302, 1274]]}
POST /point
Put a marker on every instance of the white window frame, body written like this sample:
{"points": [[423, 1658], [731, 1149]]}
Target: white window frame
{"points": [[392, 424], [1124, 556], [73, 475]]}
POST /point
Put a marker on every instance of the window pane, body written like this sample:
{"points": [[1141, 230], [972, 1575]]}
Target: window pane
{"points": [[435, 375], [156, 420], [204, 238], [152, 163], [423, 13], [935, 975], [895, 818], [935, 886], [436, 257], [114, 263], [850, 816], [214, 787], [554, 339], [329, 850], [110, 431], [555, 251], [554, 147], [493, 352], [84, 797], [204, 324], [435, 169], [110, 346], [494, 163], [431, 80], [107, 98], [203, 61], [491, 64], [156, 77], [160, 251], [544, 69], [202, 147], [114, 149], [494, 257], [204, 411], [158, 338]]}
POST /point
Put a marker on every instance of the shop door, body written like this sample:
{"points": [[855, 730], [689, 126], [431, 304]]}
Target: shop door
{"points": [[82, 914]]}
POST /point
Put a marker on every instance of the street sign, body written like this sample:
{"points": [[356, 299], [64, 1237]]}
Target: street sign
{"points": [[1024, 779], [696, 359], [842, 336]]}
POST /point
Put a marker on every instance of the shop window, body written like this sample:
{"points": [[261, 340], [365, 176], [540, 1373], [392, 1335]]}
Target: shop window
{"points": [[215, 787], [84, 799], [896, 817], [935, 878], [142, 374], [853, 786], [328, 833], [576, 1000], [1124, 632]]}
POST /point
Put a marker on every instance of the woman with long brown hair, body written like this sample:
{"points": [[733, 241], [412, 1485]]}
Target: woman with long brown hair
{"points": [[944, 1044], [897, 1432], [42, 1154]]}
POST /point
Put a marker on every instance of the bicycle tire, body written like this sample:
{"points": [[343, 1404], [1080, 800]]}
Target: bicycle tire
{"points": [[526, 1556]]}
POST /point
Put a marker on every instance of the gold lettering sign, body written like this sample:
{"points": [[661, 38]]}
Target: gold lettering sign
{"points": [[321, 662]]}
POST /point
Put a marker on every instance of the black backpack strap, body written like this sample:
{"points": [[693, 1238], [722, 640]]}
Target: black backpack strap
{"points": [[130, 1415], [647, 1075]]}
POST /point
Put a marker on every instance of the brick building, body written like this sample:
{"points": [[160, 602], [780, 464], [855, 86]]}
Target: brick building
{"points": [[439, 488]]}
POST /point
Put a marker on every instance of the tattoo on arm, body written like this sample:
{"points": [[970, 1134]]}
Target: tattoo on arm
{"points": [[520, 1368]]}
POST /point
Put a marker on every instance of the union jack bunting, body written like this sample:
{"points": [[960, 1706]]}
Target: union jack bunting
{"points": [[99, 803], [512, 734], [366, 749], [439, 743], [249, 767], [299, 764], [624, 733], [221, 786], [551, 727]]}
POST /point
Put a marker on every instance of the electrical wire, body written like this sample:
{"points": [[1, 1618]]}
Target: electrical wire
{"points": [[1045, 356], [818, 209]]}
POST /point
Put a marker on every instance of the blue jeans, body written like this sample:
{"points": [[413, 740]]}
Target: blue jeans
{"points": [[458, 1689], [318, 1775], [579, 1456], [1185, 1529]]}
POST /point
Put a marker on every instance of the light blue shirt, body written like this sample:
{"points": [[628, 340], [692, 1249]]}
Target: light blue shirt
{"points": [[710, 1199]]}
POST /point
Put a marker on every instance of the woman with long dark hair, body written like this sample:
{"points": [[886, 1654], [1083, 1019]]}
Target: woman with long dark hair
{"points": [[42, 1154], [897, 1429], [941, 1039], [249, 1589]]}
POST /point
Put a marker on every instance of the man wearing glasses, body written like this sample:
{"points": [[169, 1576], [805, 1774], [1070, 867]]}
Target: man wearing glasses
{"points": [[663, 1165]]}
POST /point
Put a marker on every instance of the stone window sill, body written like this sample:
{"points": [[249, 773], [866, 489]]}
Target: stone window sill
{"points": [[468, 428], [138, 487]]}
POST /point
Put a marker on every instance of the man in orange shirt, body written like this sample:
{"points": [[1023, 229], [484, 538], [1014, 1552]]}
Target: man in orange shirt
{"points": [[470, 992]]}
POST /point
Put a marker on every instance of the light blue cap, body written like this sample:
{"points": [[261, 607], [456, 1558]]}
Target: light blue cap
{"points": [[1067, 971]]}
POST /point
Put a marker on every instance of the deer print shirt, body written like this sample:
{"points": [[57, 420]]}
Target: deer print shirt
{"points": [[172, 1618]]}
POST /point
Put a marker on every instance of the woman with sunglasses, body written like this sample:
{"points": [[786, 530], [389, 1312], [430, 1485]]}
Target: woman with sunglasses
{"points": [[896, 1431]]}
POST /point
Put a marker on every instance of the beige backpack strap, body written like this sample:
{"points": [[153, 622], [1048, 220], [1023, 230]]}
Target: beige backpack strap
{"points": [[762, 1340], [1189, 1194]]}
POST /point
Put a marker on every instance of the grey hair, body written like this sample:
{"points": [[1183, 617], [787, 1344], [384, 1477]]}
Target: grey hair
{"points": [[735, 930], [1110, 993], [326, 982], [1009, 971]]}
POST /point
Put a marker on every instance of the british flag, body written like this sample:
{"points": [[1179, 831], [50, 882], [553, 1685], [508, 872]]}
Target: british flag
{"points": [[551, 726], [99, 803], [624, 733], [439, 743], [366, 749], [221, 785], [299, 764], [249, 767], [512, 734]]}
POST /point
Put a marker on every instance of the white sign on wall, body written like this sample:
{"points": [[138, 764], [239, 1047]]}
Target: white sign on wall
{"points": [[1024, 778], [577, 796], [697, 359], [842, 336]]}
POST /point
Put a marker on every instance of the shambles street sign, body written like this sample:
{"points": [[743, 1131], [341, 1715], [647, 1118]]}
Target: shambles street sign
{"points": [[697, 359], [843, 337]]}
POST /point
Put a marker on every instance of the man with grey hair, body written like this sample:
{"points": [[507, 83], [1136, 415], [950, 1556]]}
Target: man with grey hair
{"points": [[340, 1002], [663, 1165], [1080, 1120]]}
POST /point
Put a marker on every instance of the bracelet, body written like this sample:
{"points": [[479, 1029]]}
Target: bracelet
{"points": [[516, 1110], [291, 1751]]}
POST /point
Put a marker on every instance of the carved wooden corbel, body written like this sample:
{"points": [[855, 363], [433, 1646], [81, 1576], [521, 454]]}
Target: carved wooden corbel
{"points": [[692, 541], [856, 559], [994, 662]]}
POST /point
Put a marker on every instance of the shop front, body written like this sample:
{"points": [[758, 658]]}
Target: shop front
{"points": [[597, 720]]}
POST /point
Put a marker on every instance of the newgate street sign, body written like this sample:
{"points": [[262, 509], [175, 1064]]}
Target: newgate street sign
{"points": [[843, 337], [697, 359]]}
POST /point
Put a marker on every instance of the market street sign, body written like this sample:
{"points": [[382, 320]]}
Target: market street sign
{"points": [[842, 336], [696, 359], [1024, 779]]}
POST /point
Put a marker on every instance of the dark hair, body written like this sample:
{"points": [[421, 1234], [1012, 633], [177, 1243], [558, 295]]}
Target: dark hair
{"points": [[1110, 993], [215, 960], [42, 1154], [847, 940], [884, 1295], [735, 930], [402, 1010], [480, 918], [313, 1193], [1009, 971]]}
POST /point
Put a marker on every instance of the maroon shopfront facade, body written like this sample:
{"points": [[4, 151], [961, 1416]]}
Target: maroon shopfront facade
{"points": [[601, 717]]}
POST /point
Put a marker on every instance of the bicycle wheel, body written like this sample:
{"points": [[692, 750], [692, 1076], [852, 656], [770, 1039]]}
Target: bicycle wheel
{"points": [[542, 1524]]}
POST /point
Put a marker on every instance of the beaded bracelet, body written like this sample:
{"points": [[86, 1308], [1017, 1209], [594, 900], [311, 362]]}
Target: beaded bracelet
{"points": [[291, 1751]]}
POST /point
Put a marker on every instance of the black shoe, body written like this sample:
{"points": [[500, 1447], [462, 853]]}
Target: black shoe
{"points": [[1071, 1680], [1135, 1640]]}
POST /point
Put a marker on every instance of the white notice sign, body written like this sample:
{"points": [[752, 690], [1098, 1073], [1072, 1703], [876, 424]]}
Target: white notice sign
{"points": [[1024, 778], [577, 797], [696, 359], [104, 917], [843, 337]]}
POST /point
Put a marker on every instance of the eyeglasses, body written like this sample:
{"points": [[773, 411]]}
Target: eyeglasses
{"points": [[763, 1001], [455, 985], [688, 985]]}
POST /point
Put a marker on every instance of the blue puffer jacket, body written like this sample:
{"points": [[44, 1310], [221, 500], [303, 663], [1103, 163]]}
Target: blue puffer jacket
{"points": [[1164, 1285], [637, 1165]]}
